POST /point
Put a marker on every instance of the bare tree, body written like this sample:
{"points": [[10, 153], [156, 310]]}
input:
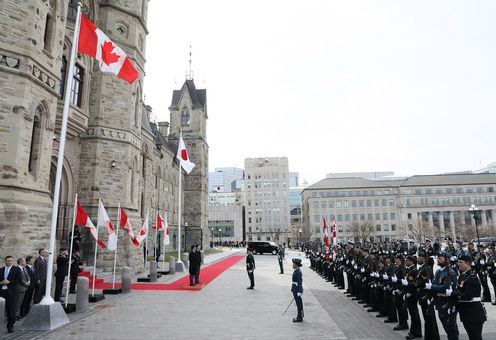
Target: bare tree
{"points": [[421, 230], [362, 231], [305, 235], [467, 232]]}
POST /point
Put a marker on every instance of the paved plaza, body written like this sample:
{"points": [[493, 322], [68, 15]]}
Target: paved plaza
{"points": [[225, 309]]}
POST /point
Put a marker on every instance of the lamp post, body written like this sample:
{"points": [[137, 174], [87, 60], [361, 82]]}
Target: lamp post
{"points": [[201, 236], [185, 235], [474, 211], [220, 237], [299, 238], [212, 241]]}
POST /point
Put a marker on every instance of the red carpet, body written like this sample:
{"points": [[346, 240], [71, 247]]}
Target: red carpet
{"points": [[207, 275]]}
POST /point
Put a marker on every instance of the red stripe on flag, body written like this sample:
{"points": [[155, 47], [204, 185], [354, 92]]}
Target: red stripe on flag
{"points": [[127, 71], [88, 39]]}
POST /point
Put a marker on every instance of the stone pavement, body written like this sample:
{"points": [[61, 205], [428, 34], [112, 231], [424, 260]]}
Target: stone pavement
{"points": [[225, 309]]}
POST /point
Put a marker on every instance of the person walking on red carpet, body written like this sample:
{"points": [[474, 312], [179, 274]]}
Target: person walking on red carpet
{"points": [[250, 267]]}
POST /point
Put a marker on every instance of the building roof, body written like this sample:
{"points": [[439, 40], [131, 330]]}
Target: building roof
{"points": [[198, 97], [417, 180]]}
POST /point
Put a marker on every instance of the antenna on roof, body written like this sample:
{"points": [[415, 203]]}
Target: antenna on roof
{"points": [[189, 74]]}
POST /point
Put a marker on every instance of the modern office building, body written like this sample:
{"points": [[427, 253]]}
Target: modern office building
{"points": [[225, 179], [416, 207], [225, 216], [267, 199]]}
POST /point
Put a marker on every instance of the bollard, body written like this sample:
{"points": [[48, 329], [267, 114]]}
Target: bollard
{"points": [[126, 279], [2, 313], [82, 294], [172, 265], [185, 259], [153, 271]]}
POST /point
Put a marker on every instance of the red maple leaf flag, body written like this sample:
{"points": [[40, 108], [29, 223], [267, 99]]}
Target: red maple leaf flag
{"points": [[326, 235], [111, 58]]}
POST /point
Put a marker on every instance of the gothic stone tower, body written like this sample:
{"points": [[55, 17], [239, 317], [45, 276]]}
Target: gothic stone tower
{"points": [[188, 112], [113, 153], [31, 42]]}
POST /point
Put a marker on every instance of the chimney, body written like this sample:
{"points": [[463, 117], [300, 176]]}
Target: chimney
{"points": [[163, 127]]}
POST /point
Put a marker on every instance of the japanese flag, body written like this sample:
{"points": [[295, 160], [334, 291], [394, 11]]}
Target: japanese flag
{"points": [[104, 221], [183, 157]]}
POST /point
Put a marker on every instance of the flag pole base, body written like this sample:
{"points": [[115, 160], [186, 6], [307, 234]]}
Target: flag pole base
{"points": [[112, 291], [45, 317], [163, 272], [96, 297], [180, 268], [71, 308]]}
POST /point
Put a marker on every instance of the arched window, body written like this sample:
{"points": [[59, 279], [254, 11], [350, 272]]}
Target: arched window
{"points": [[36, 140], [185, 117], [77, 86], [137, 107]]}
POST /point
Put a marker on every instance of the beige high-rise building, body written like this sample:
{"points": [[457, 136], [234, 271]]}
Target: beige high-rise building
{"points": [[113, 151], [267, 199]]}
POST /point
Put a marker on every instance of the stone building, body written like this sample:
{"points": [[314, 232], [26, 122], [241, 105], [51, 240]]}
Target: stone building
{"points": [[415, 207], [113, 152]]}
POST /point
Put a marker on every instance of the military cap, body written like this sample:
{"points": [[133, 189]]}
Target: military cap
{"points": [[422, 253], [410, 258], [428, 240], [492, 246], [480, 245], [444, 254], [465, 258], [399, 256], [448, 239], [297, 261]]}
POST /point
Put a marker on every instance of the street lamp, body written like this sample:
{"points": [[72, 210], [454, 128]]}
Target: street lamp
{"points": [[185, 235], [220, 237], [299, 238], [212, 240], [474, 211], [201, 236]]}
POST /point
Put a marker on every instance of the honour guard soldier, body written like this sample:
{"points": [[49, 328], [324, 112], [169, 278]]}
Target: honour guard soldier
{"points": [[468, 292], [411, 298], [480, 260], [444, 279], [280, 259], [398, 294], [491, 267], [297, 289], [426, 299], [250, 267]]}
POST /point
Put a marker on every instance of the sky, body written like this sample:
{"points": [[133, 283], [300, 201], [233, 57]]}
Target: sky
{"points": [[335, 86]]}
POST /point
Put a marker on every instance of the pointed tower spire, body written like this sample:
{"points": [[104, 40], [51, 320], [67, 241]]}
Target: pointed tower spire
{"points": [[189, 74]]}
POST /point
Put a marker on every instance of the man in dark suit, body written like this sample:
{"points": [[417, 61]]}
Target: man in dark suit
{"points": [[250, 267], [198, 256], [10, 277], [40, 271], [297, 288], [28, 295], [22, 287], [61, 273], [192, 265]]}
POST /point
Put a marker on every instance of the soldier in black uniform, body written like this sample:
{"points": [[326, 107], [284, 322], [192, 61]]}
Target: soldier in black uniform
{"points": [[411, 297], [280, 259], [193, 266], [250, 267], [398, 294], [390, 269], [491, 267], [61, 273], [426, 300], [76, 265], [468, 292], [450, 248], [297, 289], [480, 260]]}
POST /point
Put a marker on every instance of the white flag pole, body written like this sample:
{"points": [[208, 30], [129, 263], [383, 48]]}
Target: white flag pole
{"points": [[48, 300], [70, 251], [179, 207], [96, 249], [116, 241], [163, 248]]}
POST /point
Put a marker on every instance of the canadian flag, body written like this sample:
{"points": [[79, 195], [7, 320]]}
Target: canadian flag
{"points": [[126, 225], [104, 221], [160, 223], [166, 232], [82, 219], [143, 233], [326, 235], [111, 58], [183, 157], [334, 235]]}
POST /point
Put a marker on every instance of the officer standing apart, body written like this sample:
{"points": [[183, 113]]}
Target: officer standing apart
{"points": [[280, 259], [468, 292], [297, 289], [250, 267], [445, 279]]}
